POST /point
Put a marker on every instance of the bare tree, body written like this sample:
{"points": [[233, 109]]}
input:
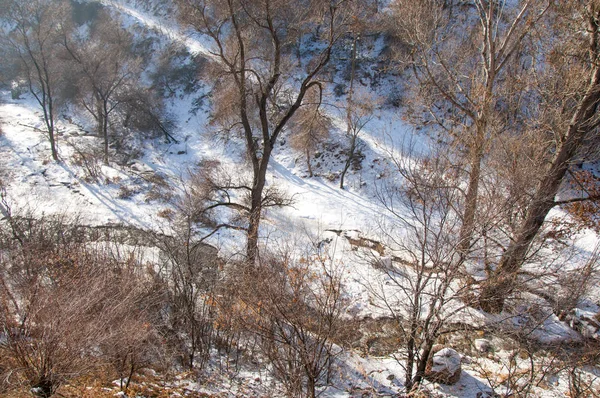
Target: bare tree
{"points": [[310, 127], [423, 288], [35, 41], [576, 121], [293, 307], [254, 70], [359, 107], [359, 112], [191, 273], [108, 71], [460, 52]]}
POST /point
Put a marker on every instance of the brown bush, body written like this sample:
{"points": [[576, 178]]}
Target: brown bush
{"points": [[292, 308], [68, 309]]}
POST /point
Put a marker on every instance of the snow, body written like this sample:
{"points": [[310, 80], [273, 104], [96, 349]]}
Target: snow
{"points": [[37, 184], [446, 359], [166, 27], [555, 331]]}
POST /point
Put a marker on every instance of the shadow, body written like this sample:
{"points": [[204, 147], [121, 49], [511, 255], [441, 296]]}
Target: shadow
{"points": [[122, 213], [22, 154], [467, 387]]}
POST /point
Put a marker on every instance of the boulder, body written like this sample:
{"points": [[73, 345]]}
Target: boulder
{"points": [[444, 367], [585, 322], [482, 345]]}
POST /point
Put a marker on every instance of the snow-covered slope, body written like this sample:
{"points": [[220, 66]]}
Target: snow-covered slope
{"points": [[131, 195]]}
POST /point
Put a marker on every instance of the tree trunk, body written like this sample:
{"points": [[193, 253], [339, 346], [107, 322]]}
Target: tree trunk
{"points": [[253, 224], [53, 145], [310, 172], [349, 127], [471, 199], [311, 387], [351, 151], [410, 360], [105, 134], [45, 100], [258, 187], [49, 117], [421, 366], [131, 372], [412, 344]]}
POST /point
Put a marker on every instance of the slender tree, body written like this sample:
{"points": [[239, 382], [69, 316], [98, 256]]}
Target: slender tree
{"points": [[419, 288], [34, 39], [310, 127], [107, 71], [252, 50], [359, 112]]}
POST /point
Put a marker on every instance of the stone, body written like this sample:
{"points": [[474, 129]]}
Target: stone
{"points": [[482, 345], [444, 367]]}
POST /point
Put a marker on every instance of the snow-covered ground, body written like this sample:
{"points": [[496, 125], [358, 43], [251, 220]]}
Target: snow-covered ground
{"points": [[123, 195]]}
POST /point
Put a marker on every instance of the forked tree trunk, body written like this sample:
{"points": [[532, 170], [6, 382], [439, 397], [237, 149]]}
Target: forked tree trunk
{"points": [[259, 147]]}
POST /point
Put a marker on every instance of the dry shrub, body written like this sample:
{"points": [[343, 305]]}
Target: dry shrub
{"points": [[293, 309], [127, 192], [160, 189], [90, 160], [585, 212], [68, 310], [310, 126], [167, 214], [189, 277]]}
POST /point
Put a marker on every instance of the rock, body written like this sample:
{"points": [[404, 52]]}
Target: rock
{"points": [[444, 367], [585, 322], [482, 345]]}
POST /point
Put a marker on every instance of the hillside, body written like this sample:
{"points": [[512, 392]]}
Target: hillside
{"points": [[347, 291]]}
